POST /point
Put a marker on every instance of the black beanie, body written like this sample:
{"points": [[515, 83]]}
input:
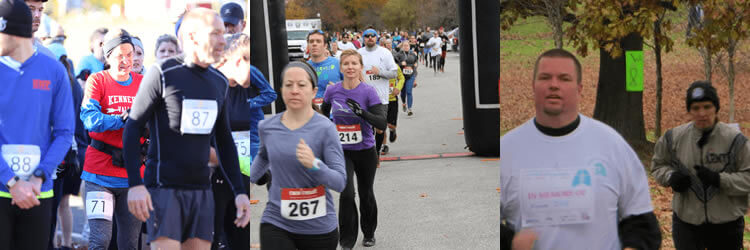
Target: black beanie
{"points": [[701, 91], [15, 18]]}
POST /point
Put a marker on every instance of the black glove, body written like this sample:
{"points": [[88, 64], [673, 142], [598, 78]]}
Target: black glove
{"points": [[679, 181], [707, 176], [354, 106]]}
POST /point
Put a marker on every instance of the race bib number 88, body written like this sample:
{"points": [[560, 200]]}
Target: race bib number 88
{"points": [[22, 159], [198, 116], [303, 203]]}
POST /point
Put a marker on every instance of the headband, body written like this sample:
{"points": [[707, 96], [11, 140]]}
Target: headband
{"points": [[309, 69], [110, 45], [137, 42]]}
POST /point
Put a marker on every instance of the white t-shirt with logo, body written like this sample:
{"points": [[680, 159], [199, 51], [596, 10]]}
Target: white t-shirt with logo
{"points": [[345, 46], [383, 59], [545, 183]]}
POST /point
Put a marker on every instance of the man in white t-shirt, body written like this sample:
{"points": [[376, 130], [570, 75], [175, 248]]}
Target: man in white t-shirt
{"points": [[379, 66], [567, 180], [435, 44], [346, 43]]}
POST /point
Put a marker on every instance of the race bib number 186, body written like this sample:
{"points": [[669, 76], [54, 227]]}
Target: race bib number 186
{"points": [[303, 203]]}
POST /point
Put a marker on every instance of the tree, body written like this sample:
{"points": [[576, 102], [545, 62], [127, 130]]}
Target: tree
{"points": [[555, 12], [726, 24], [614, 27], [334, 16], [296, 10], [399, 14]]}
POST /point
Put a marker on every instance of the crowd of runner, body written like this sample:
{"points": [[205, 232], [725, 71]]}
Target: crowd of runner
{"points": [[163, 155]]}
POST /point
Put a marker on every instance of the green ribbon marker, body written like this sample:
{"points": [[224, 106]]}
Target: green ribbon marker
{"points": [[634, 71], [245, 162]]}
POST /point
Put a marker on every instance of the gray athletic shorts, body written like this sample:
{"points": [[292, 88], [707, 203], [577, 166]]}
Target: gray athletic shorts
{"points": [[181, 214]]}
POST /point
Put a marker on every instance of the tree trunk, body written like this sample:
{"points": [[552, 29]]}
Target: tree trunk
{"points": [[559, 36], [616, 107], [730, 51], [657, 53], [707, 63]]}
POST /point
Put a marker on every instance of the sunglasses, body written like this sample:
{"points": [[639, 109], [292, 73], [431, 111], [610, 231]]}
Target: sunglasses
{"points": [[369, 36], [316, 31]]}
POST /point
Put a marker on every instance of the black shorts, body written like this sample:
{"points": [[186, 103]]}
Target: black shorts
{"points": [[181, 214], [392, 116], [25, 229], [71, 184]]}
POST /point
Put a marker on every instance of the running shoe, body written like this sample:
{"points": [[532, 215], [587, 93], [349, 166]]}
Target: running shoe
{"points": [[368, 242], [404, 106], [385, 150], [410, 113], [392, 136]]}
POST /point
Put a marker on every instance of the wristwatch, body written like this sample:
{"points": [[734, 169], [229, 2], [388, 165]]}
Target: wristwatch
{"points": [[316, 165], [12, 182], [40, 174]]}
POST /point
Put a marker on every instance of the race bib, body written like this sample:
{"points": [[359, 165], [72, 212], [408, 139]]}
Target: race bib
{"points": [[421, 44], [408, 71], [22, 159], [556, 196], [198, 116], [369, 76], [303, 203], [99, 205], [318, 101], [349, 134], [242, 142]]}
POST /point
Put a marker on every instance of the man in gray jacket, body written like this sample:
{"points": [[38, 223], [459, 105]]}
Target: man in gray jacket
{"points": [[707, 164]]}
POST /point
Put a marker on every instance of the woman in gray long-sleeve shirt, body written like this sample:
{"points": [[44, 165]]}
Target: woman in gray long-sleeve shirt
{"points": [[303, 152]]}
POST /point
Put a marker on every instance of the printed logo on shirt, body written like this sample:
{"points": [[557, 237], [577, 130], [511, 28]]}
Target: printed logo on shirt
{"points": [[115, 99], [582, 177], [598, 165], [3, 23], [41, 84], [717, 158], [118, 110]]}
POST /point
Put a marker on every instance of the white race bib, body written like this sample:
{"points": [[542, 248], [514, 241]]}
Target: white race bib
{"points": [[198, 116], [553, 196], [349, 134], [242, 142], [408, 71], [318, 101], [370, 76], [303, 203], [99, 205], [22, 159]]}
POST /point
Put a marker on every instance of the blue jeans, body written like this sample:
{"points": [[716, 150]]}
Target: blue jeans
{"points": [[406, 95]]}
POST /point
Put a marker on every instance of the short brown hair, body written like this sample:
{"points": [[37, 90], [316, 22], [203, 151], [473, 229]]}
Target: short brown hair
{"points": [[559, 53], [350, 52]]}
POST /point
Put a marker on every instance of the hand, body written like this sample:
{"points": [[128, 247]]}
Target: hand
{"points": [[396, 91], [679, 181], [243, 210], [124, 116], [375, 70], [524, 239], [24, 194], [415, 84], [305, 155], [213, 160], [707, 176], [403, 63], [36, 184], [354, 106], [139, 202]]}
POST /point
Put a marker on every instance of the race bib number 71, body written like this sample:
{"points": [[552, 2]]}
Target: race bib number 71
{"points": [[303, 203]]}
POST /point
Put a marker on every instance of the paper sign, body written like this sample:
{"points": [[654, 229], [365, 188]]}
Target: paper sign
{"points": [[634, 71]]}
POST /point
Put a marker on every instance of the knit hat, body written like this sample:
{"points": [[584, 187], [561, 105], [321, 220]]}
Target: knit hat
{"points": [[15, 18], [701, 91]]}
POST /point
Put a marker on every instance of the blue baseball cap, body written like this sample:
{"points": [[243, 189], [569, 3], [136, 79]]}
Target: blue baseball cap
{"points": [[231, 12], [370, 32], [57, 49]]}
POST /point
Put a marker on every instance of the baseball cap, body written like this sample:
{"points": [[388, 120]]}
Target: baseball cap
{"points": [[15, 18], [56, 48], [231, 12]]}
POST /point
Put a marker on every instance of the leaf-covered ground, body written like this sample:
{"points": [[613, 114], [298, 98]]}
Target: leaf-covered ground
{"points": [[521, 45]]}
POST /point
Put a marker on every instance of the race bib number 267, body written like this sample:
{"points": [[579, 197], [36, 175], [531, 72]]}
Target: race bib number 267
{"points": [[303, 203]]}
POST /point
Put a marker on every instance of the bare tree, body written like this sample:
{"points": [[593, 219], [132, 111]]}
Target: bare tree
{"points": [[554, 11]]}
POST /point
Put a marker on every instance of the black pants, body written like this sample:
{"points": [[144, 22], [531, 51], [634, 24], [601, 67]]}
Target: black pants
{"points": [[275, 238], [24, 229], [726, 236], [225, 232], [379, 142], [363, 163], [433, 62]]}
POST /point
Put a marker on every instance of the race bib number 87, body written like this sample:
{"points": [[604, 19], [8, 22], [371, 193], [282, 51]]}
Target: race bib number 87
{"points": [[198, 116], [303, 203], [22, 159]]}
